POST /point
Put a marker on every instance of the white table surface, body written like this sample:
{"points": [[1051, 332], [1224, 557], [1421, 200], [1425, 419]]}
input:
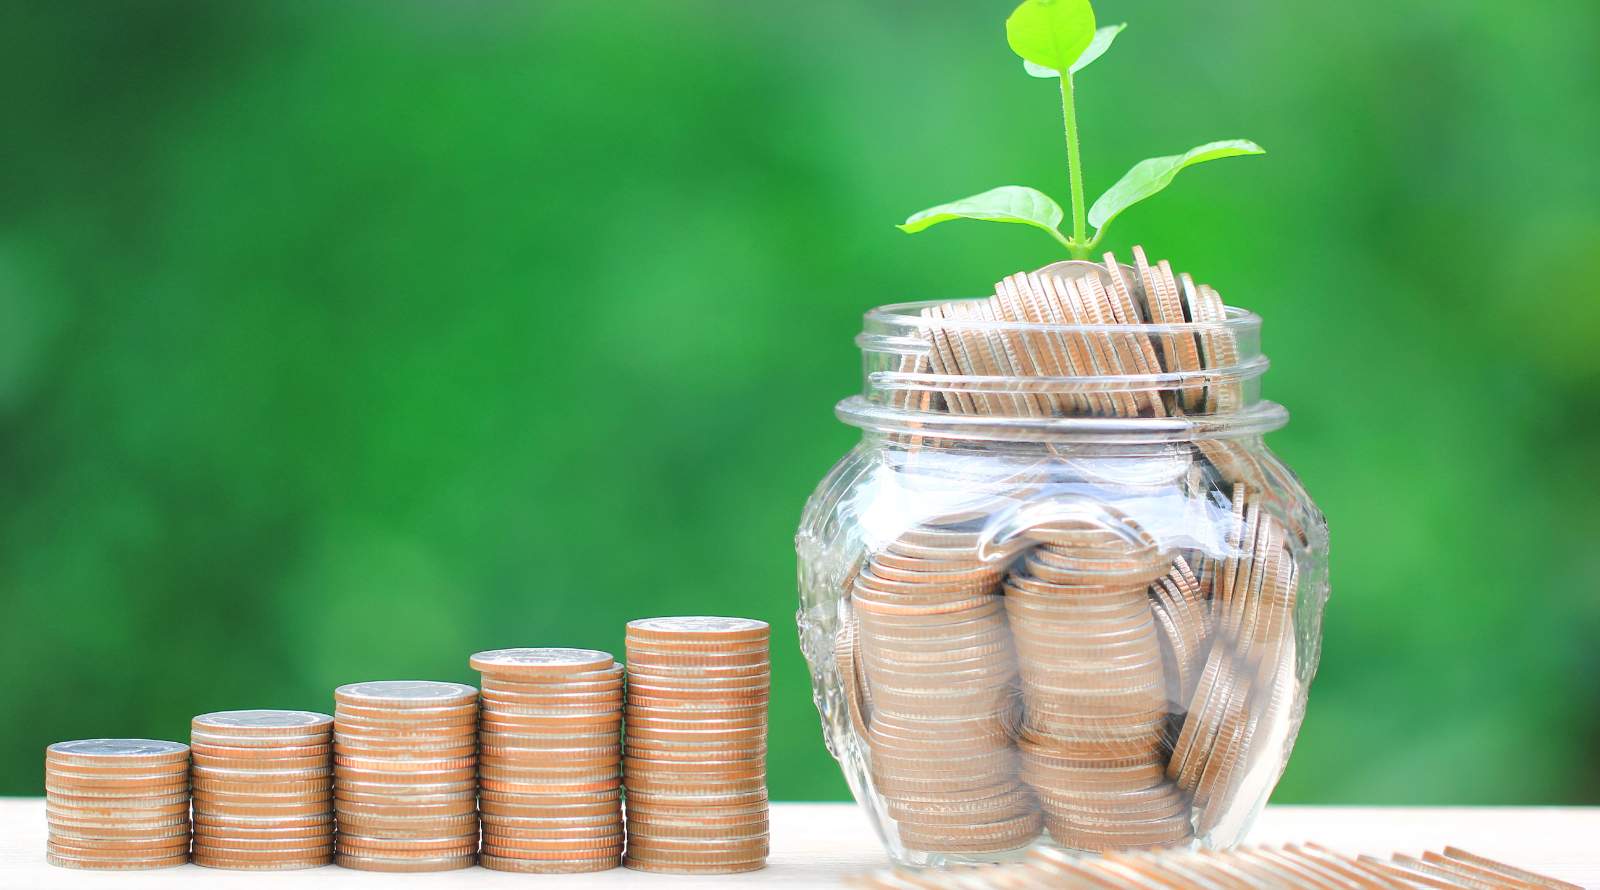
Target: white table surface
{"points": [[817, 845]]}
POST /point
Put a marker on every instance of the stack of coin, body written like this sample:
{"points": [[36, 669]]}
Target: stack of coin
{"points": [[263, 789], [405, 775], [1243, 685], [1094, 687], [117, 803], [937, 661], [1289, 867], [695, 758], [550, 760]]}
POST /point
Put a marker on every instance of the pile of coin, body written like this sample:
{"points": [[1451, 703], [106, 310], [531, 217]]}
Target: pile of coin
{"points": [[966, 342], [935, 645], [1147, 687], [117, 803], [1289, 867], [405, 775], [263, 789], [695, 757], [550, 760]]}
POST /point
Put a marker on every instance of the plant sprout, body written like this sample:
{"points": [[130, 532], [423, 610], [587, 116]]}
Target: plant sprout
{"points": [[1057, 39]]}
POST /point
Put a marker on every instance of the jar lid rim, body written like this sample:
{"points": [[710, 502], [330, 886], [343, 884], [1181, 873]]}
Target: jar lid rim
{"points": [[1257, 419]]}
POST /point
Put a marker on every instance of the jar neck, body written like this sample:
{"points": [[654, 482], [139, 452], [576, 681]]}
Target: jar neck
{"points": [[951, 370]]}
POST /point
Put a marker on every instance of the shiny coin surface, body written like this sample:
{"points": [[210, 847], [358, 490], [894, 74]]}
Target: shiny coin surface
{"points": [[540, 662], [405, 693]]}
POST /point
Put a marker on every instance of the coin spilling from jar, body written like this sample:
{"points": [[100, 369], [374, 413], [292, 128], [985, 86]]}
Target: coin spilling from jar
{"points": [[1307, 866]]}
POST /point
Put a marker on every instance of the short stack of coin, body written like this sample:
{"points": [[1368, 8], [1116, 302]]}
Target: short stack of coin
{"points": [[695, 757], [938, 662], [550, 760], [117, 803], [263, 789], [405, 775]]}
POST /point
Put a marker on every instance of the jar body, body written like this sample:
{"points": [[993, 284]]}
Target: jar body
{"points": [[1100, 642]]}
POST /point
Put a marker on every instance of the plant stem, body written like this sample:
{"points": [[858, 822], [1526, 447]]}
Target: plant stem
{"points": [[1079, 245]]}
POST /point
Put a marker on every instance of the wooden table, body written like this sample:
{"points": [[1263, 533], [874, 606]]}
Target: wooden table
{"points": [[816, 845]]}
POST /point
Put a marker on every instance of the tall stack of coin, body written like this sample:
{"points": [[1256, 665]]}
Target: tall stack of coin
{"points": [[695, 758], [405, 775], [263, 789], [117, 803], [550, 761], [938, 663], [1094, 686]]}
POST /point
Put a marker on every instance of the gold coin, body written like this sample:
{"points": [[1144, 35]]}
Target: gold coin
{"points": [[244, 745], [360, 810], [283, 864], [396, 864], [67, 861], [365, 845], [207, 821], [551, 866], [76, 846]]}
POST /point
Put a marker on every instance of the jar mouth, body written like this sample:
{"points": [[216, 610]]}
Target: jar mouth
{"points": [[908, 316], [958, 369]]}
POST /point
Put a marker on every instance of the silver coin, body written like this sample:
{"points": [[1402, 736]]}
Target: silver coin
{"points": [[540, 657], [697, 624], [118, 748], [263, 719], [406, 690]]}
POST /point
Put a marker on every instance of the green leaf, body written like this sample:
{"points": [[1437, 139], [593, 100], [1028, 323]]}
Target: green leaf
{"points": [[1051, 33], [1097, 48], [1151, 176], [1008, 203]]}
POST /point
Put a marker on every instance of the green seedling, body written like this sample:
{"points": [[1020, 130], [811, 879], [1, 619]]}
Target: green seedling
{"points": [[1057, 39]]}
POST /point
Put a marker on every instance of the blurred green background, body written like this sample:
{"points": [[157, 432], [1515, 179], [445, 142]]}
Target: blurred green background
{"points": [[339, 340]]}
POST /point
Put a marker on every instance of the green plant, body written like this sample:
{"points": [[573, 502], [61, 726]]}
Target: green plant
{"points": [[1057, 39]]}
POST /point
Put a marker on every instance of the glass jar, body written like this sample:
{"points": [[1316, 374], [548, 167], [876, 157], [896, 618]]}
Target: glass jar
{"points": [[1061, 592]]}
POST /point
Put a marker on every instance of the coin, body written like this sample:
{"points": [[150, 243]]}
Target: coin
{"points": [[402, 694], [564, 865], [540, 662], [122, 751], [405, 864], [697, 628], [263, 723]]}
